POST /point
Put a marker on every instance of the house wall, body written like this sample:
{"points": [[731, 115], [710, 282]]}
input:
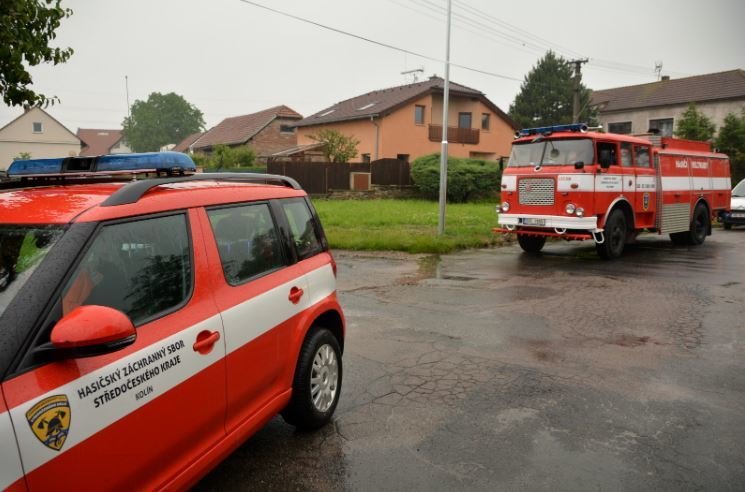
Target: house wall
{"points": [[120, 147], [54, 140], [639, 119], [270, 140], [399, 134], [362, 130]]}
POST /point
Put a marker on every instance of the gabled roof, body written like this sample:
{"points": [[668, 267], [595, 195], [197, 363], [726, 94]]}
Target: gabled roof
{"points": [[240, 129], [700, 88], [98, 142], [28, 110], [382, 102], [183, 146]]}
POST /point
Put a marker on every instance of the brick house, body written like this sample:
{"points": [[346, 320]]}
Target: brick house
{"points": [[405, 122], [267, 132], [658, 105]]}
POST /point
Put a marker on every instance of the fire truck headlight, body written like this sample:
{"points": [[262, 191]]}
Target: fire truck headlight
{"points": [[570, 208], [505, 207], [580, 212]]}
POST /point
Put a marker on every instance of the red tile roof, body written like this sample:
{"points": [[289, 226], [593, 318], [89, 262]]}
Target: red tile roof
{"points": [[240, 129], [697, 89], [97, 141], [183, 146], [382, 102]]}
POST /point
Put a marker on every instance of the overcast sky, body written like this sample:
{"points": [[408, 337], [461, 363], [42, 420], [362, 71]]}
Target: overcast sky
{"points": [[230, 58]]}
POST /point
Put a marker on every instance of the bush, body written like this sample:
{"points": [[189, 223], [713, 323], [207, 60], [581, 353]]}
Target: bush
{"points": [[467, 178], [224, 157]]}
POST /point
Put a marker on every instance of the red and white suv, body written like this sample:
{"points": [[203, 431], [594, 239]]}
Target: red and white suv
{"points": [[148, 328]]}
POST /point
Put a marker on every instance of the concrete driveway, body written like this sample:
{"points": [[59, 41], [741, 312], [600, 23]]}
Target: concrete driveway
{"points": [[494, 370]]}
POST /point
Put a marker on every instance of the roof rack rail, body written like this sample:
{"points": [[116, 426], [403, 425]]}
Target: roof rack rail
{"points": [[132, 192]]}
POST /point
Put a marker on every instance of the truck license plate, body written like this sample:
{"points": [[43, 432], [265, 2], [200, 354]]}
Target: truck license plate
{"points": [[534, 222]]}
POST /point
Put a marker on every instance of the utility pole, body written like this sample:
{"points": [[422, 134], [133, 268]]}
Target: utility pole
{"points": [[577, 79], [444, 150], [126, 87]]}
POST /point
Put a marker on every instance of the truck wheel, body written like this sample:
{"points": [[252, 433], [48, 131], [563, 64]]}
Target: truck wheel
{"points": [[615, 236], [317, 383], [699, 225], [531, 244]]}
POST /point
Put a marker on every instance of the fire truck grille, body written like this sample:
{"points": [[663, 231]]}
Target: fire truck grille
{"points": [[536, 191]]}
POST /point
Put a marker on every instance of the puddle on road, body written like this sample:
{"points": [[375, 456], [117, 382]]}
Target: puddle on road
{"points": [[430, 267]]}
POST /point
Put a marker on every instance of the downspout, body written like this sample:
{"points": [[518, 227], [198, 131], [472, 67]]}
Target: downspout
{"points": [[377, 136]]}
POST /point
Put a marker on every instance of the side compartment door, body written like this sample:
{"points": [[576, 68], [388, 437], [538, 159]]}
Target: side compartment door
{"points": [[260, 289], [676, 192], [136, 417], [721, 183]]}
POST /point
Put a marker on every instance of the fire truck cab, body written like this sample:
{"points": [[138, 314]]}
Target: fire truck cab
{"points": [[570, 183]]}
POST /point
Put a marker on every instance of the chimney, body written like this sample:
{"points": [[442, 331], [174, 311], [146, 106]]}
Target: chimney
{"points": [[665, 77]]}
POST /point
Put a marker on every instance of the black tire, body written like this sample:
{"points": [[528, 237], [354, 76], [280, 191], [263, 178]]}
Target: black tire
{"points": [[727, 226], [699, 228], [302, 412], [615, 236], [531, 244]]}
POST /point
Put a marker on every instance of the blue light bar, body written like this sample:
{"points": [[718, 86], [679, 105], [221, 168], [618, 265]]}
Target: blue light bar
{"points": [[168, 162], [542, 130]]}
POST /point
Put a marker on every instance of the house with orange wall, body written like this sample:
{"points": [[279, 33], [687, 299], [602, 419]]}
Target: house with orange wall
{"points": [[405, 122]]}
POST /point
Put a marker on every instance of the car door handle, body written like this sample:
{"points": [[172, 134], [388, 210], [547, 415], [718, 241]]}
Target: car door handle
{"points": [[295, 294], [205, 341]]}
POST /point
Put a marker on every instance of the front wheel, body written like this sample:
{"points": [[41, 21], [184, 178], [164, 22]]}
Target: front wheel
{"points": [[531, 244], [615, 236], [317, 383]]}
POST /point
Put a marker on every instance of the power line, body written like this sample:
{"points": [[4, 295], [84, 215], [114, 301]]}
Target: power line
{"points": [[378, 43]]}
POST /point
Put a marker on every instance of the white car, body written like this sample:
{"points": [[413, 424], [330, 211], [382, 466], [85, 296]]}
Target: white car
{"points": [[736, 214]]}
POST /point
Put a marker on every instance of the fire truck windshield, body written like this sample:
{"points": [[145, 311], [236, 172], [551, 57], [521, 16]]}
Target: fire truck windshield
{"points": [[552, 152]]}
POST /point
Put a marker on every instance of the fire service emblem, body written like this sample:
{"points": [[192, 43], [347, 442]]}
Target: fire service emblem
{"points": [[50, 421]]}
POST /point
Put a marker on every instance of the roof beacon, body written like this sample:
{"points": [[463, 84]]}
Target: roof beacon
{"points": [[170, 163], [547, 130]]}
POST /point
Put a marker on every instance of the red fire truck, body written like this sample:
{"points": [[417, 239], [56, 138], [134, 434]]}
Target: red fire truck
{"points": [[570, 183]]}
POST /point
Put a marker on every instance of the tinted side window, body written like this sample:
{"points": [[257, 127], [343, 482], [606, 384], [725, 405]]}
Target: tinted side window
{"points": [[247, 240], [301, 228], [142, 268], [641, 155]]}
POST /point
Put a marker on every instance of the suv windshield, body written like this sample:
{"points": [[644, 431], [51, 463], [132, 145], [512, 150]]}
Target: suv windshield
{"points": [[21, 250], [739, 189], [552, 153]]}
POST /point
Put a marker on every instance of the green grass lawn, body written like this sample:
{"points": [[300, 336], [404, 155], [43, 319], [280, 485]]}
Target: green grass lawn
{"points": [[406, 225]]}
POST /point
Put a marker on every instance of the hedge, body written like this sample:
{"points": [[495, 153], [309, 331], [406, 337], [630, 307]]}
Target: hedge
{"points": [[467, 178]]}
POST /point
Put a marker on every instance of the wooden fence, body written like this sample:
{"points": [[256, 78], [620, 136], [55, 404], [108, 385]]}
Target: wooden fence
{"points": [[320, 177]]}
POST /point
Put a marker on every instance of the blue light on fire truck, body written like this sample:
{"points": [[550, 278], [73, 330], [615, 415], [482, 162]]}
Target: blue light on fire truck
{"points": [[541, 130], [168, 162]]}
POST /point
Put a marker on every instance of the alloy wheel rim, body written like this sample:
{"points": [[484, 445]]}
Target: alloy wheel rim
{"points": [[324, 378]]}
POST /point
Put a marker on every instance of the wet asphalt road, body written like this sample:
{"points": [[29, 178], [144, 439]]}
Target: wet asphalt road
{"points": [[494, 370]]}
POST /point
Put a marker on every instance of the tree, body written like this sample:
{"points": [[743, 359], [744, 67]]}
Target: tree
{"points": [[695, 125], [22, 156], [26, 28], [547, 93], [162, 119], [337, 146], [731, 141]]}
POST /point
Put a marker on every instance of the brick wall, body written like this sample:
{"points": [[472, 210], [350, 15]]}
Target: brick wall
{"points": [[271, 140]]}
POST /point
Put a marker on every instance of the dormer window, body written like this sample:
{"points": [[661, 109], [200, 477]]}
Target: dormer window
{"points": [[38, 127]]}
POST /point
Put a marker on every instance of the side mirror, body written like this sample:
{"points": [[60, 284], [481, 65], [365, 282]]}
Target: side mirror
{"points": [[605, 158], [91, 330], [579, 165]]}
